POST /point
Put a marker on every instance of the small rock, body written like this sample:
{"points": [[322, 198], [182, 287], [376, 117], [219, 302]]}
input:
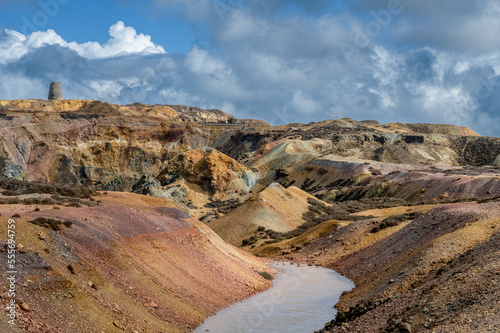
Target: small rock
{"points": [[118, 324], [405, 328], [25, 307], [91, 284], [391, 281]]}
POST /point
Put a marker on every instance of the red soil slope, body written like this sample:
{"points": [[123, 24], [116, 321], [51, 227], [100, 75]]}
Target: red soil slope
{"points": [[134, 264]]}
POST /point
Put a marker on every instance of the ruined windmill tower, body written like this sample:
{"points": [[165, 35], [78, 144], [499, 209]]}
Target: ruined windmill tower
{"points": [[55, 91]]}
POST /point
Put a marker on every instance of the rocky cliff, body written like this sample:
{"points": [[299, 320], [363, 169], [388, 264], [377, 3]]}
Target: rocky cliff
{"points": [[111, 147]]}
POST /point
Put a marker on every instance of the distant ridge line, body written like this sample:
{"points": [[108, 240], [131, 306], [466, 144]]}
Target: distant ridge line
{"points": [[224, 124]]}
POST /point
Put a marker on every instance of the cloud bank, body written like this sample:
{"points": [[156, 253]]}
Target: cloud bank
{"points": [[285, 61], [124, 41]]}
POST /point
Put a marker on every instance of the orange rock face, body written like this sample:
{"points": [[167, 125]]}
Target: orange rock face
{"points": [[213, 171]]}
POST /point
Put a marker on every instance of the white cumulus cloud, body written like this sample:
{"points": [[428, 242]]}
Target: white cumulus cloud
{"points": [[124, 41]]}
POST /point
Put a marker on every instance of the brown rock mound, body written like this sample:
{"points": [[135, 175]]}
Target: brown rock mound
{"points": [[217, 174]]}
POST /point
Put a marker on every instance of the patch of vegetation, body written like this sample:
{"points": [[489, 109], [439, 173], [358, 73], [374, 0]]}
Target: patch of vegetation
{"points": [[266, 275], [353, 313], [363, 204], [249, 241], [51, 223], [317, 213], [363, 197], [335, 211], [495, 198], [10, 201], [75, 115], [224, 207], [14, 187], [59, 194], [272, 241], [396, 220]]}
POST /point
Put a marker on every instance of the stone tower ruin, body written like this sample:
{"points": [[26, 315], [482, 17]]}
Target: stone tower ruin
{"points": [[55, 91]]}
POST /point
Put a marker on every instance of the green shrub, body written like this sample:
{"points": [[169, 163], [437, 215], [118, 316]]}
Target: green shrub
{"points": [[266, 275], [50, 223], [13, 201], [48, 201], [395, 220], [249, 241], [10, 193]]}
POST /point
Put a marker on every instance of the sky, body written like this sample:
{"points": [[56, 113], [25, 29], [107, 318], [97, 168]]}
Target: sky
{"points": [[423, 61]]}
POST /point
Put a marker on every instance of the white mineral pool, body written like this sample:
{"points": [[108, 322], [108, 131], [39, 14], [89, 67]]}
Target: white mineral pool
{"points": [[300, 301]]}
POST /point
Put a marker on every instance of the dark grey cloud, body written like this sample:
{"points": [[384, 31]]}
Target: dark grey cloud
{"points": [[455, 25], [420, 65], [425, 8], [275, 6]]}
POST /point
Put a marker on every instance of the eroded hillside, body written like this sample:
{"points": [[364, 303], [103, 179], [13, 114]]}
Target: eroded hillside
{"points": [[111, 147], [128, 263]]}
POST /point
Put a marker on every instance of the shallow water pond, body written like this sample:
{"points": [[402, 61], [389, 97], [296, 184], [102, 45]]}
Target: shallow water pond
{"points": [[300, 301]]}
